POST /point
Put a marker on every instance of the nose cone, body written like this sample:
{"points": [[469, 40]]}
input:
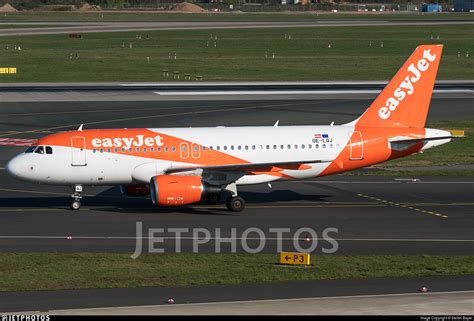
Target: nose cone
{"points": [[17, 167]]}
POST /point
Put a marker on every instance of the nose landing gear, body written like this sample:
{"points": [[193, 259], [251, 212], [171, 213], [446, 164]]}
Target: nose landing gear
{"points": [[76, 198]]}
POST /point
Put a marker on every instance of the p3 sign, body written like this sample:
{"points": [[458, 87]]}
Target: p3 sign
{"points": [[294, 258]]}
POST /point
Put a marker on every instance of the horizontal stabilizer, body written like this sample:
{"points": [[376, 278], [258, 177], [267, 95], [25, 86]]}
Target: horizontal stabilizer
{"points": [[418, 140]]}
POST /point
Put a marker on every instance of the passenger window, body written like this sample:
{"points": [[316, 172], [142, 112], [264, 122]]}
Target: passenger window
{"points": [[232, 147], [137, 150], [166, 149], [30, 149], [310, 146], [246, 147], [218, 147], [101, 150], [253, 147], [317, 146], [158, 149], [108, 150], [268, 146], [39, 150], [152, 149], [203, 147], [116, 149], [289, 146], [94, 150], [239, 147], [225, 147], [274, 146], [324, 145], [296, 146], [302, 146], [282, 146], [144, 149], [49, 150]]}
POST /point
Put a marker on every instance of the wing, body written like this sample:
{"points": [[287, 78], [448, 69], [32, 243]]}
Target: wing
{"points": [[250, 167]]}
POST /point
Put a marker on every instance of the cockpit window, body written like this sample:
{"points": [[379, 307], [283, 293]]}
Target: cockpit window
{"points": [[49, 150], [30, 149], [39, 150]]}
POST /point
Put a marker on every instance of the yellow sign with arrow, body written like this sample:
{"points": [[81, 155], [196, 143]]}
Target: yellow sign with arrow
{"points": [[294, 258]]}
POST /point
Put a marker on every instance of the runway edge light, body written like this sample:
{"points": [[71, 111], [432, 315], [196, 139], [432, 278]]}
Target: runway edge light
{"points": [[295, 258]]}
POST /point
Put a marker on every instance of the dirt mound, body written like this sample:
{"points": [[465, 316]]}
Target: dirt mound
{"points": [[89, 7], [187, 7], [7, 8]]}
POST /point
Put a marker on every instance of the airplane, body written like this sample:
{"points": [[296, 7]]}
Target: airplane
{"points": [[179, 166]]}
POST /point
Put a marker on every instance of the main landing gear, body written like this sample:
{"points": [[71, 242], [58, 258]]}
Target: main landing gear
{"points": [[212, 199], [76, 198], [234, 203]]}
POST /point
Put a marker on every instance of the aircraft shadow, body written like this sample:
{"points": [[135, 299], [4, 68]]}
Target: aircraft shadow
{"points": [[111, 200]]}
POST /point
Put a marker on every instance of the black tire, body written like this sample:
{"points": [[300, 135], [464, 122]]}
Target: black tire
{"points": [[75, 205], [212, 199], [235, 204]]}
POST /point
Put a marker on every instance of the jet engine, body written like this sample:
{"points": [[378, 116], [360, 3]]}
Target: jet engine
{"points": [[175, 190]]}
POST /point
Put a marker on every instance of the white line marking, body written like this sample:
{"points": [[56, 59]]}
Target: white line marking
{"points": [[275, 300], [222, 238], [285, 92]]}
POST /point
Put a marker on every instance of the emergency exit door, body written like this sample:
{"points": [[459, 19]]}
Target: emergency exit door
{"points": [[78, 151], [357, 146]]}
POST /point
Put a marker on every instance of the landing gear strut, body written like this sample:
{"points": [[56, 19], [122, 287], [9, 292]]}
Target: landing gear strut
{"points": [[76, 198], [234, 203]]}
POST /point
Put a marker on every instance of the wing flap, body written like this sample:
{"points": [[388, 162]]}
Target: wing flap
{"points": [[250, 167]]}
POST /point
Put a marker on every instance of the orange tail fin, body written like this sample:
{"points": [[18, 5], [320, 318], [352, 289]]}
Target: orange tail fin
{"points": [[405, 100]]}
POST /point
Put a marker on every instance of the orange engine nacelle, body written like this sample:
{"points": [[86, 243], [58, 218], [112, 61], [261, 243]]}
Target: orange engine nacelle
{"points": [[135, 189], [174, 190]]}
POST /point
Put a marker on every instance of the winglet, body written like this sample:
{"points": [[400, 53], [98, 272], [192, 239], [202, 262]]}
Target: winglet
{"points": [[276, 124], [80, 127]]}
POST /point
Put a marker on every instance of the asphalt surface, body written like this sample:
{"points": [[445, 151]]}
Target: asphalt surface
{"points": [[44, 301], [372, 215], [85, 27]]}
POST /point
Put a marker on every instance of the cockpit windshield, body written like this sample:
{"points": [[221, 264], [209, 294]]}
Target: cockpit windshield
{"points": [[39, 149]]}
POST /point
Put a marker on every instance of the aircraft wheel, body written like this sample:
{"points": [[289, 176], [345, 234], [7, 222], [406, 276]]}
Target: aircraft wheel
{"points": [[75, 205], [212, 199], [235, 204]]}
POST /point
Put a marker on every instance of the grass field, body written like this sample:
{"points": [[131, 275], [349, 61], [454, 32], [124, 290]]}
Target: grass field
{"points": [[52, 271], [221, 16], [356, 53]]}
